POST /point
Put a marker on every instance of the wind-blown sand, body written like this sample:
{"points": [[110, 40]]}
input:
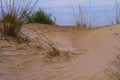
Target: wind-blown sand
{"points": [[92, 51]]}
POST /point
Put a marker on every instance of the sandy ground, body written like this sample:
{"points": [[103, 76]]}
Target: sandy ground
{"points": [[91, 50]]}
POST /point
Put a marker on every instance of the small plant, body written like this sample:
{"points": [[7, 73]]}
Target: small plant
{"points": [[83, 18], [48, 46], [40, 16], [116, 18], [50, 49], [117, 12], [13, 15]]}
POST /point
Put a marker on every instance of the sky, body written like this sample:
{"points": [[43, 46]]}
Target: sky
{"points": [[63, 12]]}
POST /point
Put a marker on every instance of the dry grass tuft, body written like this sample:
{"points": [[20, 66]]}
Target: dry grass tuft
{"points": [[83, 18], [117, 12], [13, 15], [116, 17], [50, 48]]}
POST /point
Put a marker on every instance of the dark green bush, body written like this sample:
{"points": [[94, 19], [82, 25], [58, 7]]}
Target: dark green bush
{"points": [[40, 16]]}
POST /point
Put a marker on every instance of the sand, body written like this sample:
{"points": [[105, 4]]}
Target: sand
{"points": [[91, 53]]}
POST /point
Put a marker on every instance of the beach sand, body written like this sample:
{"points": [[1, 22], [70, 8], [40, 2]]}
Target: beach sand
{"points": [[91, 53]]}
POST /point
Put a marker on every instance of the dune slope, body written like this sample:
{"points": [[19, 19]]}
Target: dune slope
{"points": [[92, 52]]}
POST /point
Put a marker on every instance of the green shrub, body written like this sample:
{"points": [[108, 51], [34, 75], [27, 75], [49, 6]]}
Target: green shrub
{"points": [[40, 16]]}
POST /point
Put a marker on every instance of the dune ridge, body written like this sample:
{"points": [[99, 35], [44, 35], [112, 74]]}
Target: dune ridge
{"points": [[92, 51]]}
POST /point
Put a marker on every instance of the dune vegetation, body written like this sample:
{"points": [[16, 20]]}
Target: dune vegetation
{"points": [[33, 47], [84, 18], [13, 17], [40, 16]]}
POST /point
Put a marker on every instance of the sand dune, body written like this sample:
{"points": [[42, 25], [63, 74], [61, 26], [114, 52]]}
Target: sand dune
{"points": [[92, 52]]}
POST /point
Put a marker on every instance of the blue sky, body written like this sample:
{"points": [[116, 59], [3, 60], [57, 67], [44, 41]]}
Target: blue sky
{"points": [[61, 9]]}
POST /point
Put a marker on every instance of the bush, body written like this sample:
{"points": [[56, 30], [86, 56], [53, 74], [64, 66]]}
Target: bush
{"points": [[40, 16], [13, 15]]}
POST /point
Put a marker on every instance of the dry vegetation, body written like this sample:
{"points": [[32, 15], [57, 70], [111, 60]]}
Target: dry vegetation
{"points": [[50, 49], [12, 19], [84, 18], [117, 12], [13, 16]]}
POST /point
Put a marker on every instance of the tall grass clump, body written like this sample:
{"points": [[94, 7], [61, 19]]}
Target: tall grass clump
{"points": [[40, 16], [83, 18], [117, 12], [115, 19], [48, 46], [13, 15]]}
